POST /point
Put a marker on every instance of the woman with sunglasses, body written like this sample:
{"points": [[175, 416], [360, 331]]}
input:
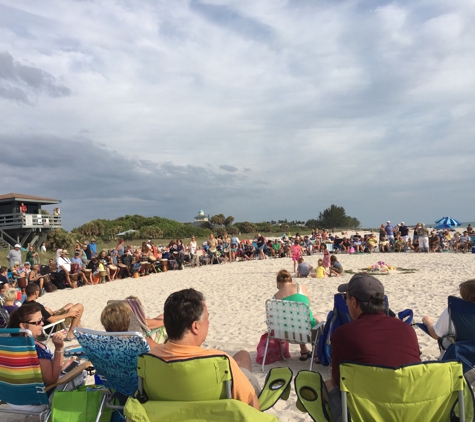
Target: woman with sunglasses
{"points": [[52, 365]]}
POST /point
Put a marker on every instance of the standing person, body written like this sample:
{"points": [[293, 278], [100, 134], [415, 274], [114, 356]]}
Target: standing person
{"points": [[326, 257], [296, 251], [372, 337], [212, 244], [64, 268], [43, 248], [194, 258], [404, 232], [120, 248], [186, 320], [423, 237], [23, 208], [31, 256], [91, 250], [389, 229], [14, 255]]}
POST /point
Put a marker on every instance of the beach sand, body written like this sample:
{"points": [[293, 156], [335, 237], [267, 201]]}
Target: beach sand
{"points": [[235, 294]]}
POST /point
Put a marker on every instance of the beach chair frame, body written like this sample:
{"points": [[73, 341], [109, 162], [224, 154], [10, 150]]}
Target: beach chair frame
{"points": [[290, 321]]}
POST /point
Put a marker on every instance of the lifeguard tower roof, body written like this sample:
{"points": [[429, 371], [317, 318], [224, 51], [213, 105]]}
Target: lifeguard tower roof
{"points": [[19, 197]]}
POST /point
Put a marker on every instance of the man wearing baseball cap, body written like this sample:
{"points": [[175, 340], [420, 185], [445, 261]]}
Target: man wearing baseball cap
{"points": [[371, 337]]}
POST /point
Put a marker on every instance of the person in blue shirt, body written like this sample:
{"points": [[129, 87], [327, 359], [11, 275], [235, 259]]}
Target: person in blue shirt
{"points": [[91, 250], [389, 232]]}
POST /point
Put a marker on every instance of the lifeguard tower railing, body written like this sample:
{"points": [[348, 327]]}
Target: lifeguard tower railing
{"points": [[16, 227]]}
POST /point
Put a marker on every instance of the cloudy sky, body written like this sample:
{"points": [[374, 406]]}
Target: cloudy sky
{"points": [[262, 109]]}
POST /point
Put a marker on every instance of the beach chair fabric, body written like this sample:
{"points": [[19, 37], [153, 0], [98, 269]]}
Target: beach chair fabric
{"points": [[114, 356], [426, 391], [21, 381], [290, 321], [4, 318], [199, 389], [204, 411], [310, 390]]}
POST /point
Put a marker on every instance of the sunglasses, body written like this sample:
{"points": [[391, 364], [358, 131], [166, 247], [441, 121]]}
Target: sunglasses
{"points": [[35, 322]]}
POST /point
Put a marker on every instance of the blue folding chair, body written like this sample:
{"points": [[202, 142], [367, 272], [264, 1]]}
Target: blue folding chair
{"points": [[340, 316]]}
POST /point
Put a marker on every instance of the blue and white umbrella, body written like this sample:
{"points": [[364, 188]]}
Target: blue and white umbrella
{"points": [[447, 223]]}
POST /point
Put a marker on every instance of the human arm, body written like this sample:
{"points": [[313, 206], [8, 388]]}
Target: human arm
{"points": [[51, 369]]}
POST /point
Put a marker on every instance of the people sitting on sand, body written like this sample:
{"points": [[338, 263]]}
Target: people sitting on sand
{"points": [[383, 244], [336, 269], [320, 270], [443, 327], [78, 267], [105, 260], [70, 310], [346, 245], [357, 243], [371, 243], [186, 320], [64, 268], [4, 276], [434, 241], [399, 243], [464, 242], [303, 269], [297, 292]]}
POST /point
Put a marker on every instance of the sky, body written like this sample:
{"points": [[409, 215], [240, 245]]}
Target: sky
{"points": [[262, 109]]}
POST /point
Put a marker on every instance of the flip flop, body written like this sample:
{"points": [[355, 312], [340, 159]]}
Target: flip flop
{"points": [[305, 356]]}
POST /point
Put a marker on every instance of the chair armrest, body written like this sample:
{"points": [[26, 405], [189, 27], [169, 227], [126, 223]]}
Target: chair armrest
{"points": [[53, 324], [70, 375]]}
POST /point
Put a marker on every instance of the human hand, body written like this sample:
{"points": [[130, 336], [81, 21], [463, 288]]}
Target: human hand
{"points": [[57, 339], [74, 314]]}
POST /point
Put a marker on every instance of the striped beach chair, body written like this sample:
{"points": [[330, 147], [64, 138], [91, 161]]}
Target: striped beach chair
{"points": [[21, 382]]}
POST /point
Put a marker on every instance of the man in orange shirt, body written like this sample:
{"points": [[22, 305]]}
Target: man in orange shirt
{"points": [[186, 320]]}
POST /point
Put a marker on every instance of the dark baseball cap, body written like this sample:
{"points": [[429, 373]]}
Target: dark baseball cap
{"points": [[362, 286]]}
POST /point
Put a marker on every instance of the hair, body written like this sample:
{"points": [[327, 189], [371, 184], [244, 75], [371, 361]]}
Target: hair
{"points": [[467, 290], [375, 305], [22, 314], [181, 310], [333, 259], [296, 242], [116, 317], [10, 295], [283, 276], [324, 246], [31, 289], [320, 262], [300, 260], [3, 269]]}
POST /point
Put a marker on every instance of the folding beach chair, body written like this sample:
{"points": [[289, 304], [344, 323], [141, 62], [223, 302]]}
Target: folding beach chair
{"points": [[114, 356], [425, 391], [198, 389], [340, 316], [4, 318], [50, 329], [290, 321], [21, 381]]}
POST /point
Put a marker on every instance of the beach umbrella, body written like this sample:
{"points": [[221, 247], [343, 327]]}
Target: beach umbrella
{"points": [[447, 223]]}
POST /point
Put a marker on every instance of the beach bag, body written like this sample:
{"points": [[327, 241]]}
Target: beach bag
{"points": [[81, 405], [273, 351], [50, 287]]}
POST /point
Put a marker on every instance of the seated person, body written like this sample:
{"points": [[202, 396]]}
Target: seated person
{"points": [[443, 327], [414, 245], [320, 270], [186, 320], [371, 337], [52, 364], [464, 242], [77, 260], [337, 244], [36, 277], [3, 275], [346, 245], [92, 265], [336, 269], [72, 311], [288, 290], [126, 259], [434, 242], [277, 247], [303, 269], [383, 244], [371, 243], [9, 298], [399, 244], [357, 243], [18, 270], [248, 251]]}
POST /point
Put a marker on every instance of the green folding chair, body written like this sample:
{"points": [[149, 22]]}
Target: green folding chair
{"points": [[425, 391], [198, 389]]}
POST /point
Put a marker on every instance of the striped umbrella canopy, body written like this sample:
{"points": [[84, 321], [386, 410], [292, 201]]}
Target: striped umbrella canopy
{"points": [[447, 223]]}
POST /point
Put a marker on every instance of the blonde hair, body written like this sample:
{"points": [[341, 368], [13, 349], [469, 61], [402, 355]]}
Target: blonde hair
{"points": [[10, 295], [283, 276], [116, 317]]}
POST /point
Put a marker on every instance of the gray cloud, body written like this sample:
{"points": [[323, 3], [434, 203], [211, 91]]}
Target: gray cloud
{"points": [[225, 167], [18, 80]]}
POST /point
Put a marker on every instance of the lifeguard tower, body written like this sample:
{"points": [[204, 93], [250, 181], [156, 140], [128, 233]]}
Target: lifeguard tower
{"points": [[21, 220]]}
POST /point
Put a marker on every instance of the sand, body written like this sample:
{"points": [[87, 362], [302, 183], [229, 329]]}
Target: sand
{"points": [[235, 294]]}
